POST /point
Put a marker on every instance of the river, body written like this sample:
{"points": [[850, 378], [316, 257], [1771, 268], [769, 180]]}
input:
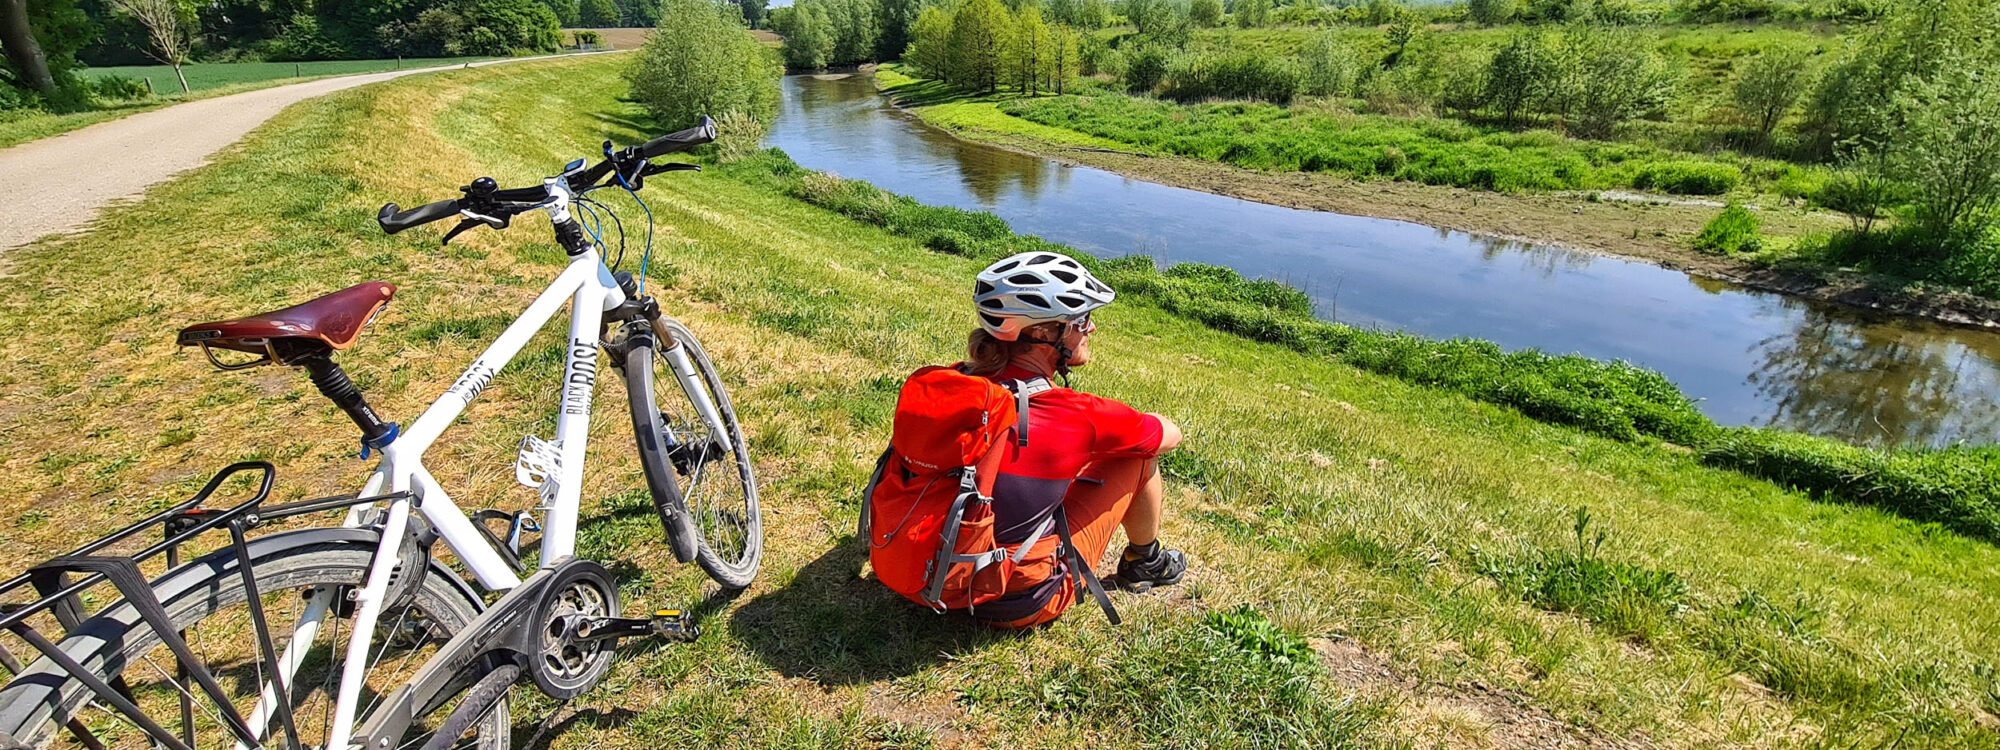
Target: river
{"points": [[1749, 357]]}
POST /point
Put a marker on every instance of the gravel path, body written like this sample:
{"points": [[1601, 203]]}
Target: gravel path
{"points": [[60, 183]]}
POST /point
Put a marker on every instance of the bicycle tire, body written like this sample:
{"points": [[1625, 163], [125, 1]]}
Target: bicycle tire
{"points": [[38, 702], [732, 567]]}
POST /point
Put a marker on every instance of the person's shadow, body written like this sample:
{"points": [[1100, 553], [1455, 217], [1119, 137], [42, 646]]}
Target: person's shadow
{"points": [[837, 628]]}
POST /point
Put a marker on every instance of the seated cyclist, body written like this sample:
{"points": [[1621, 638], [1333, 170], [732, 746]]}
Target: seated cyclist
{"points": [[1093, 456]]}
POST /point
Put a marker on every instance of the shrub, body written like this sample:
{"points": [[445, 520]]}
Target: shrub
{"points": [[1688, 177], [701, 61], [1145, 67], [118, 87], [1730, 232], [1330, 68], [1955, 487], [303, 39], [1232, 76]]}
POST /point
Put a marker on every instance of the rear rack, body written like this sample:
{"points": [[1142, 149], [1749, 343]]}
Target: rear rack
{"points": [[60, 597]]}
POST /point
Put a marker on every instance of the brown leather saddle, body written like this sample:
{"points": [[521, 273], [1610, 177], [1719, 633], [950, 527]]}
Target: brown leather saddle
{"points": [[329, 323]]}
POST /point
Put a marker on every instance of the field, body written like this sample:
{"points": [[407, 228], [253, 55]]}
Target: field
{"points": [[1376, 564], [204, 76]]}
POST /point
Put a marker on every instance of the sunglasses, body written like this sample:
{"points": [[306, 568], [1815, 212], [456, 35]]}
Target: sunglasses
{"points": [[1083, 324]]}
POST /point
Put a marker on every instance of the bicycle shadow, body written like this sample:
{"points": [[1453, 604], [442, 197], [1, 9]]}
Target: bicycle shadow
{"points": [[832, 626]]}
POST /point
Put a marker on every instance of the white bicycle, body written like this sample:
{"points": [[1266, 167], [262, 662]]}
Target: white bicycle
{"points": [[243, 644]]}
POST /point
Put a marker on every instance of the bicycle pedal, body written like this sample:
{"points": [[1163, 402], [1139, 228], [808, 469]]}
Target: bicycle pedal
{"points": [[676, 624]]}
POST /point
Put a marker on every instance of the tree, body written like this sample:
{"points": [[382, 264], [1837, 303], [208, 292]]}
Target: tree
{"points": [[1948, 149], [1769, 86], [599, 14], [168, 30], [702, 61], [1491, 12], [1400, 34], [1065, 57], [808, 35], [1615, 76], [1163, 22], [566, 11], [980, 30], [1028, 50], [753, 12], [854, 30], [1515, 77], [930, 43], [1251, 14], [24, 52], [894, 19], [1206, 13]]}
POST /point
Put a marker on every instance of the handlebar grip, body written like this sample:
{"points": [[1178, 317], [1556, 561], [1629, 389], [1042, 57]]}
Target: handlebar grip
{"points": [[394, 220], [670, 143]]}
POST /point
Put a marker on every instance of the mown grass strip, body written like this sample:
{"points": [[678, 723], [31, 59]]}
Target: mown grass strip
{"points": [[1957, 488]]}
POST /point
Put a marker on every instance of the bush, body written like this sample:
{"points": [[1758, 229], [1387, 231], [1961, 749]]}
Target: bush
{"points": [[1688, 177], [1242, 75], [117, 87], [1145, 67], [303, 39], [1730, 232], [1954, 487], [701, 61]]}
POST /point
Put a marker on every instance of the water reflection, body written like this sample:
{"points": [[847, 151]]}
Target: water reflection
{"points": [[1878, 382], [1750, 357]]}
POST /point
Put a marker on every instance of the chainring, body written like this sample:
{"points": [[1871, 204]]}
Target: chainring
{"points": [[563, 666]]}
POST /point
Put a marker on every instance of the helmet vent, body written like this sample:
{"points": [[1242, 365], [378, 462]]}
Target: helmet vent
{"points": [[1067, 277], [1035, 299], [1024, 279], [992, 321], [1070, 301], [1004, 268], [983, 288], [1100, 288], [1043, 258], [990, 304]]}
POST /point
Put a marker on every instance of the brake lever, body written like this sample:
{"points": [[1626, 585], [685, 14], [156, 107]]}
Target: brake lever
{"points": [[460, 229]]}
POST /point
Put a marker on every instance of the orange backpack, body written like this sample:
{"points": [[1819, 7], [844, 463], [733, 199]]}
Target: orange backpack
{"points": [[927, 512]]}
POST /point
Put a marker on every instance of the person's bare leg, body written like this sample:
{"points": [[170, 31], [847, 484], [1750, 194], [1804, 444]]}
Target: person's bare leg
{"points": [[1142, 517]]}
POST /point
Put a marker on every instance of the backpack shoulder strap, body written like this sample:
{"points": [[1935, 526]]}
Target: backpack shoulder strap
{"points": [[1023, 389], [1082, 568], [861, 528]]}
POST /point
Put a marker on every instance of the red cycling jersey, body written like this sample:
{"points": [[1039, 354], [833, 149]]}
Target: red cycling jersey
{"points": [[1067, 430]]}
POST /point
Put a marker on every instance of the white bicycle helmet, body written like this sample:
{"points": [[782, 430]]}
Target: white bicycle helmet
{"points": [[1036, 287]]}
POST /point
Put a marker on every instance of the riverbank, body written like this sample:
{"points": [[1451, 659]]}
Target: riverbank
{"points": [[1654, 229], [1377, 563]]}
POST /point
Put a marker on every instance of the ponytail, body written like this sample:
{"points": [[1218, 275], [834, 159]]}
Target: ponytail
{"points": [[986, 356]]}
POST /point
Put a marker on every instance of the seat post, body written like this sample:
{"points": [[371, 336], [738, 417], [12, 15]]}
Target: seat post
{"points": [[335, 385]]}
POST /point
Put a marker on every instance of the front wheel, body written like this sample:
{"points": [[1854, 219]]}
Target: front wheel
{"points": [[697, 464]]}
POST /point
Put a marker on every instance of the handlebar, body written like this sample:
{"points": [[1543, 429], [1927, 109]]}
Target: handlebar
{"points": [[395, 220], [674, 143], [483, 198]]}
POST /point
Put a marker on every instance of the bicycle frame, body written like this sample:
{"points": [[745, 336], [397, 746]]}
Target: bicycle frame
{"points": [[591, 290]]}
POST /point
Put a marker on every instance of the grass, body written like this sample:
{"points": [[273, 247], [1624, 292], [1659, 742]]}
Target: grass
{"points": [[1338, 137], [203, 76], [1325, 500], [205, 80]]}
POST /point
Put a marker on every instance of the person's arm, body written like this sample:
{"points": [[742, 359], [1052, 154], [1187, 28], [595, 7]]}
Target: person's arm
{"points": [[1170, 433]]}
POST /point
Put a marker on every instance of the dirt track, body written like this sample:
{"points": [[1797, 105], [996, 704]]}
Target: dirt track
{"points": [[60, 183]]}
